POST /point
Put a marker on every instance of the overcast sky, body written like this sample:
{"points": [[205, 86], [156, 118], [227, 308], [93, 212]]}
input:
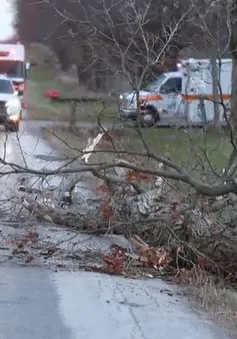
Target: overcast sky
{"points": [[6, 19]]}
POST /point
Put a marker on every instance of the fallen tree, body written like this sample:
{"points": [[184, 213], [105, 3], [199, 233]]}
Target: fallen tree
{"points": [[202, 232], [129, 202]]}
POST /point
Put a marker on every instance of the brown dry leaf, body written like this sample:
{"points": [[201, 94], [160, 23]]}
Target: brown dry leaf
{"points": [[30, 258], [107, 211], [132, 176], [115, 262], [234, 315], [151, 256]]}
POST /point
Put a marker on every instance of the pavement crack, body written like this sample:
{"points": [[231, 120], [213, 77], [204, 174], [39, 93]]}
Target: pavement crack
{"points": [[130, 308]]}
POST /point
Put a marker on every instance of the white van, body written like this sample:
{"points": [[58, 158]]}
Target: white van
{"points": [[186, 94]]}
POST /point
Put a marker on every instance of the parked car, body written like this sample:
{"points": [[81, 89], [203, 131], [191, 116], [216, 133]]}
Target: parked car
{"points": [[10, 105]]}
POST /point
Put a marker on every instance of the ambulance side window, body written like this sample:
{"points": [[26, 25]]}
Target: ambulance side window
{"points": [[172, 85]]}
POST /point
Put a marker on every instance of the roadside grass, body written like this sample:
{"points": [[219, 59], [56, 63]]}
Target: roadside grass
{"points": [[44, 77], [196, 150], [220, 302]]}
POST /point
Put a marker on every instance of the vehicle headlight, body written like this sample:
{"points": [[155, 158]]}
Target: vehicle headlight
{"points": [[13, 106], [14, 117], [121, 97]]}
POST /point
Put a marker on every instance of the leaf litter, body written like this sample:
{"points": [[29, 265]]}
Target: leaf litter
{"points": [[138, 260]]}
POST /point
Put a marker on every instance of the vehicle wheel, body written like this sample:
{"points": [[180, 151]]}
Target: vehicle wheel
{"points": [[13, 127], [149, 117]]}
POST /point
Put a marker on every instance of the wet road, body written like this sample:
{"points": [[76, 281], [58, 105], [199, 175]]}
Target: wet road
{"points": [[36, 303], [29, 305], [27, 148]]}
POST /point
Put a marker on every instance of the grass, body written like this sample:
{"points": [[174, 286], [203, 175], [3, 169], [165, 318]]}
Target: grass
{"points": [[187, 147], [196, 150], [220, 302], [41, 78]]}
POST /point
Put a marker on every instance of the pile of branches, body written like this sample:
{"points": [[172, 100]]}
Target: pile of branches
{"points": [[129, 202], [158, 216]]}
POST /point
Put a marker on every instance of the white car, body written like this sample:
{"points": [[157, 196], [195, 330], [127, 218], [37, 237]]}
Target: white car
{"points": [[10, 105]]}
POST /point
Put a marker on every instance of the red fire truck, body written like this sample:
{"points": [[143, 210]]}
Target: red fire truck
{"points": [[14, 65]]}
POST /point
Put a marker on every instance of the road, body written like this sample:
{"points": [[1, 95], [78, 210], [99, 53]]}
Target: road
{"points": [[38, 303], [26, 148]]}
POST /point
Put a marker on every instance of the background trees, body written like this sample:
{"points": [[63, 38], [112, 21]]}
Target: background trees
{"points": [[93, 34]]}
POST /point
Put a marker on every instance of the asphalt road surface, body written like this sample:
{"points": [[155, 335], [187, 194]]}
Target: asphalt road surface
{"points": [[26, 148], [36, 303]]}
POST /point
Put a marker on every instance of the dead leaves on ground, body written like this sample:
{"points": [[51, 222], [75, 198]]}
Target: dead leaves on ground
{"points": [[121, 261], [157, 258], [26, 247], [134, 176], [115, 262], [21, 246]]}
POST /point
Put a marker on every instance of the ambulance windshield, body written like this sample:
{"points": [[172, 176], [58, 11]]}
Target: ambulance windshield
{"points": [[155, 84], [6, 87], [14, 69]]}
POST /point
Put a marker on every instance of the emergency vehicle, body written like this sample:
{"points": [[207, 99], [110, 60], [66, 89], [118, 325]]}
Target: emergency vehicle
{"points": [[14, 65], [184, 94], [10, 105]]}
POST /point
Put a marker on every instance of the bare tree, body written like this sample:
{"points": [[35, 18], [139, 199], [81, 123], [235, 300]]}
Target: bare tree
{"points": [[119, 35]]}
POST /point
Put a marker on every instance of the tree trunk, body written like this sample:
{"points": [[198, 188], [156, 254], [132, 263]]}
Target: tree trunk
{"points": [[73, 119], [234, 96], [233, 44]]}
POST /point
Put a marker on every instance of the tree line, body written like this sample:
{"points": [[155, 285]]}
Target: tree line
{"points": [[135, 38]]}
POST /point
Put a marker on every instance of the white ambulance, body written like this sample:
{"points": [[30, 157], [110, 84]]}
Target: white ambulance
{"points": [[185, 94]]}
